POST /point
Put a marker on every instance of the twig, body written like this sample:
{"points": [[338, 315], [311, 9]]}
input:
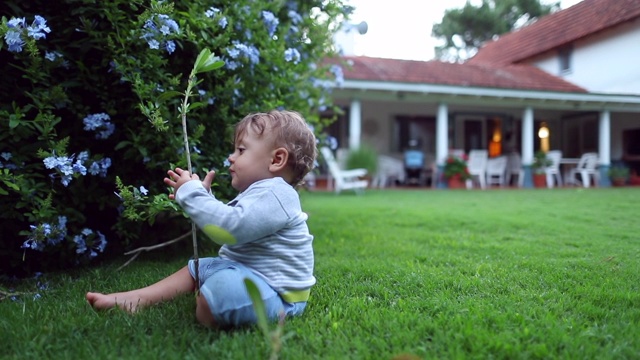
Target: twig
{"points": [[6, 294], [139, 250]]}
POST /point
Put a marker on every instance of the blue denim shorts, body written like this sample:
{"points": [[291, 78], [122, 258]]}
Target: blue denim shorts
{"points": [[222, 285]]}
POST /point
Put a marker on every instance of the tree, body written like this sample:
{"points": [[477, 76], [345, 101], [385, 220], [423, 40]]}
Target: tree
{"points": [[88, 108], [463, 31]]}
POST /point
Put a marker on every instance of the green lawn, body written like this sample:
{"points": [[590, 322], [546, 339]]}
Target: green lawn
{"points": [[438, 274]]}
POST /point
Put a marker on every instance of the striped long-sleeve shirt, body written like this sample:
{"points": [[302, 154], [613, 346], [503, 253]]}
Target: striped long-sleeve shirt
{"points": [[263, 228]]}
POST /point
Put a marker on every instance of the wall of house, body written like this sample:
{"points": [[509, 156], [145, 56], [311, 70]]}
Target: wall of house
{"points": [[603, 63]]}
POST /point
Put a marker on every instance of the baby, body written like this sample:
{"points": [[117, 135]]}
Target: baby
{"points": [[270, 242]]}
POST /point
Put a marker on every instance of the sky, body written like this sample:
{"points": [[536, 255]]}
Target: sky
{"points": [[401, 29]]}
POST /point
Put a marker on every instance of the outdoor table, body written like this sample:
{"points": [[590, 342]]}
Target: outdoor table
{"points": [[567, 164]]}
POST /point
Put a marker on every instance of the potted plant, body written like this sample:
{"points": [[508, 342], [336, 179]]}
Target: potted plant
{"points": [[364, 157], [618, 175], [540, 162], [456, 171]]}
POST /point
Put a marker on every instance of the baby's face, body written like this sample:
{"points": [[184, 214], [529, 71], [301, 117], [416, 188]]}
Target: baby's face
{"points": [[250, 160]]}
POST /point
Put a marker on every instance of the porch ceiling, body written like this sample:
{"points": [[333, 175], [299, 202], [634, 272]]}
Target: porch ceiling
{"points": [[466, 95]]}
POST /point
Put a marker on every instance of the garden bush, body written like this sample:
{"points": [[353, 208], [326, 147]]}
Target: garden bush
{"points": [[91, 93]]}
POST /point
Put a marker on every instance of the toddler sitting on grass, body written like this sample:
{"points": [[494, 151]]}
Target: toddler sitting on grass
{"points": [[270, 242]]}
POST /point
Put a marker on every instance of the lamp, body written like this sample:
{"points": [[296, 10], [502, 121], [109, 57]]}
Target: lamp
{"points": [[362, 27], [543, 134]]}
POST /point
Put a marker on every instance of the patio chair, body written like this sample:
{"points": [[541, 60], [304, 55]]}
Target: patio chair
{"points": [[514, 167], [477, 166], [496, 171], [586, 169], [414, 166], [553, 171], [390, 171], [344, 179]]}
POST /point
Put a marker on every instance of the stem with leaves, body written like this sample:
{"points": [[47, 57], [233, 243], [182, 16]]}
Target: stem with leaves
{"points": [[206, 61]]}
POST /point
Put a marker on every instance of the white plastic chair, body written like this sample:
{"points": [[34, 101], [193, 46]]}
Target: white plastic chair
{"points": [[477, 166], [553, 171], [587, 169], [496, 171], [514, 167], [389, 170], [344, 179]]}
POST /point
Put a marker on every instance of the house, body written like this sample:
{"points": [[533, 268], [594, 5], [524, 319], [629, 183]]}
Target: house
{"points": [[574, 73]]}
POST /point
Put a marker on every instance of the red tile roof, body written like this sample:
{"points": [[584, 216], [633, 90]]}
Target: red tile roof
{"points": [[522, 77], [555, 30]]}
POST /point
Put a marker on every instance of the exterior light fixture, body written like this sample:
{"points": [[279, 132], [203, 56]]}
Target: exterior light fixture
{"points": [[543, 134]]}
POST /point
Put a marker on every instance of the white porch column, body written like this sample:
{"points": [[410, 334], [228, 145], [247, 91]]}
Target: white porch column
{"points": [[527, 145], [604, 147], [442, 140], [355, 121]]}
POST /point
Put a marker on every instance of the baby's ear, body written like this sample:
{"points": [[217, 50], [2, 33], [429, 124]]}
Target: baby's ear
{"points": [[279, 159]]}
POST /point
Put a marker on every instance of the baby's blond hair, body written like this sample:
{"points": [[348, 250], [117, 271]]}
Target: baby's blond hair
{"points": [[289, 130]]}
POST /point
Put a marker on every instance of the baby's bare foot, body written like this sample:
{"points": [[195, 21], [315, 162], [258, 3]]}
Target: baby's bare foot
{"points": [[128, 301]]}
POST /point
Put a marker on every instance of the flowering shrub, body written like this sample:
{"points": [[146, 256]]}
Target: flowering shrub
{"points": [[90, 102], [456, 166]]}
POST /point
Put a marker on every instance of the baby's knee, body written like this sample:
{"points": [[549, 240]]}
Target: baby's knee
{"points": [[203, 313]]}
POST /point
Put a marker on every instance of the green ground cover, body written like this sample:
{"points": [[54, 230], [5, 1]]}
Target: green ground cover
{"points": [[501, 274]]}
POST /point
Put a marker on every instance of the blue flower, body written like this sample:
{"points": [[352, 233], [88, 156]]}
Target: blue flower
{"points": [[17, 26], [38, 28], [13, 39], [52, 56], [292, 54], [65, 167], [337, 72], [294, 16], [223, 22], [83, 156], [90, 241], [157, 29], [242, 51], [143, 190], [100, 167], [81, 245], [100, 122], [17, 23], [6, 155], [270, 21], [46, 234], [211, 12], [170, 46], [79, 168], [33, 244]]}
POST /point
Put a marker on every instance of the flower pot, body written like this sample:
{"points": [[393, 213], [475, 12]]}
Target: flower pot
{"points": [[539, 180], [618, 181], [455, 182]]}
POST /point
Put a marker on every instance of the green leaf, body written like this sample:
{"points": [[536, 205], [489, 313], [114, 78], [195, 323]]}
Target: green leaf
{"points": [[13, 122], [213, 63], [122, 144], [206, 61], [258, 306], [168, 94], [196, 105]]}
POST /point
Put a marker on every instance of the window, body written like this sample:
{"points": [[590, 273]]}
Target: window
{"points": [[564, 56]]}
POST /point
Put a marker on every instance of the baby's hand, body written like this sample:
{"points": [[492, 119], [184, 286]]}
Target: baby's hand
{"points": [[178, 178], [208, 179]]}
